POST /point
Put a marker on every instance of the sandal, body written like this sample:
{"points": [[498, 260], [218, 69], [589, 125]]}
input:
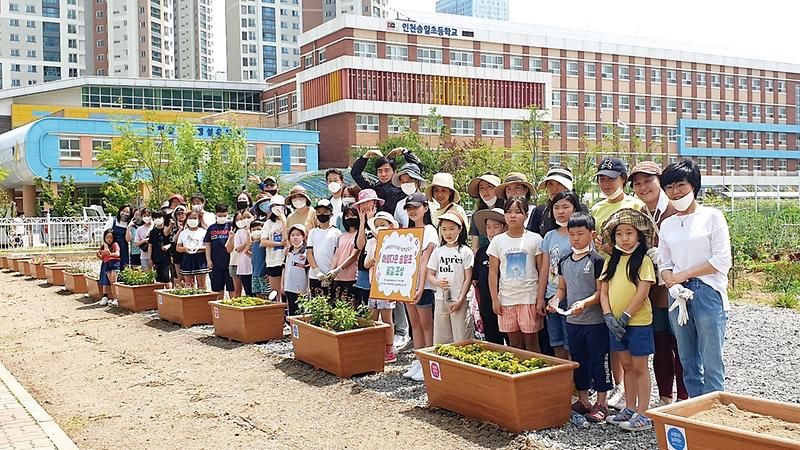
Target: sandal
{"points": [[621, 417], [639, 422], [598, 414], [581, 408]]}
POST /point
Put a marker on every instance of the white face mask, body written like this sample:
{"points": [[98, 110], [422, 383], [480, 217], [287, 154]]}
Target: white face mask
{"points": [[683, 203], [192, 223], [408, 188], [222, 220], [348, 200], [197, 207], [627, 252], [579, 251], [298, 202], [147, 219], [616, 193], [561, 224], [490, 201], [244, 223], [256, 235], [334, 187], [159, 221]]}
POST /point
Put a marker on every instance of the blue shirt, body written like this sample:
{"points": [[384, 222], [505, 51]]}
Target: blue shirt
{"points": [[258, 258], [555, 247]]}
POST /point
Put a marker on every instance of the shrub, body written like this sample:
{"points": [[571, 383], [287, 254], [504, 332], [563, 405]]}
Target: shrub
{"points": [[787, 300], [134, 276], [782, 276], [77, 270], [342, 316]]}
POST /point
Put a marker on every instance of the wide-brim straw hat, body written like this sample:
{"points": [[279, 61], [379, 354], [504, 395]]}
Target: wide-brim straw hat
{"points": [[638, 219], [482, 215], [560, 175], [297, 191], [511, 178], [454, 217], [474, 185], [443, 179]]}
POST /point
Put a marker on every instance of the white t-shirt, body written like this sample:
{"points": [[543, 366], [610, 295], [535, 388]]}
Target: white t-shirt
{"points": [[193, 240], [141, 233], [694, 239], [451, 263], [400, 213], [323, 244], [273, 231], [429, 236], [519, 275]]}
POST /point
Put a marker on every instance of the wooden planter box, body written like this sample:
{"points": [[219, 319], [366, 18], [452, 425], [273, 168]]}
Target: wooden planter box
{"points": [[75, 282], [38, 270], [137, 298], [3, 262], [25, 267], [93, 287], [16, 263], [673, 422], [186, 310], [526, 401], [55, 274], [248, 325], [343, 354]]}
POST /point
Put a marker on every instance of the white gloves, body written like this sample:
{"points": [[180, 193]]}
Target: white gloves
{"points": [[681, 296]]}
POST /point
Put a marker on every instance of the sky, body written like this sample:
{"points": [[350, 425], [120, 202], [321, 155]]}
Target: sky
{"points": [[732, 27]]}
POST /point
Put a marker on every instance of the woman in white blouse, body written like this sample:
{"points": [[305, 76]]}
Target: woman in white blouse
{"points": [[695, 252]]}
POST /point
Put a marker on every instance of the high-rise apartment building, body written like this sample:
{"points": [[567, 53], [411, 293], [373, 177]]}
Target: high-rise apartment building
{"points": [[41, 41], [484, 9], [315, 12], [262, 38], [194, 39], [131, 39]]}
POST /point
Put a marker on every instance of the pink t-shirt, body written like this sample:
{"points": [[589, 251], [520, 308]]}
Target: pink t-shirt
{"points": [[345, 246], [244, 265]]}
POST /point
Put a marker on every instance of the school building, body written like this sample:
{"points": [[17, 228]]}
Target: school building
{"points": [[362, 79]]}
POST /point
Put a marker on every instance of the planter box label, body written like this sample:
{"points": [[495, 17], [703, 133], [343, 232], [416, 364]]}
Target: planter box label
{"points": [[397, 255], [436, 371], [216, 312], [160, 299], [676, 437], [295, 331]]}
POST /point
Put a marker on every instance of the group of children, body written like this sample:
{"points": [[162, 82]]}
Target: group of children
{"points": [[597, 307]]}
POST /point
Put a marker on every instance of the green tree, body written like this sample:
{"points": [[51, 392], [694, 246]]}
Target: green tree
{"points": [[223, 172], [64, 202], [531, 133], [7, 205]]}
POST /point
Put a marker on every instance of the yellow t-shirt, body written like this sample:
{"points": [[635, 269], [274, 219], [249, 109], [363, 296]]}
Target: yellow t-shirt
{"points": [[602, 210], [621, 290]]}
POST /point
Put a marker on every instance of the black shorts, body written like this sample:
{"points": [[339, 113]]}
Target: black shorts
{"points": [[275, 271], [221, 280], [426, 300], [163, 272]]}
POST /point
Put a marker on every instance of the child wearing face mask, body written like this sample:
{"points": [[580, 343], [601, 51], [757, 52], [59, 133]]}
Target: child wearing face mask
{"points": [[130, 236], [295, 277], [483, 189], [241, 219], [142, 236], [158, 249], [246, 241], [320, 247], [410, 180], [343, 273], [273, 240], [217, 256], [335, 179], [191, 244]]}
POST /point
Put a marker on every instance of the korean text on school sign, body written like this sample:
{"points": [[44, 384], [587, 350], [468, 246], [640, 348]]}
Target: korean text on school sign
{"points": [[396, 264], [429, 30]]}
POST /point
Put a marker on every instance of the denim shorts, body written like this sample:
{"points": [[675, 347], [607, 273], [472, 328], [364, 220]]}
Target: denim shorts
{"points": [[557, 328], [426, 301], [638, 341], [375, 303]]}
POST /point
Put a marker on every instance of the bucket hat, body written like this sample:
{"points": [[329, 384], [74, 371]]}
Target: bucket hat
{"points": [[473, 188], [442, 179], [511, 178], [635, 218]]}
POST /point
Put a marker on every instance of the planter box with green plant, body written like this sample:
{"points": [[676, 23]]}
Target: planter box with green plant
{"points": [[185, 306], [93, 288], [339, 339], [135, 289], [75, 279], [248, 319], [515, 389], [54, 273]]}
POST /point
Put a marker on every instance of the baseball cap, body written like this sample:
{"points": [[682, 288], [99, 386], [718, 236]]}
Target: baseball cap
{"points": [[611, 167], [646, 167], [416, 199]]}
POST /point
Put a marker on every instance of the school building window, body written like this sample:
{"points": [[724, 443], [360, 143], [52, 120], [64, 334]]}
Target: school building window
{"points": [[463, 127], [492, 128], [272, 154], [298, 155], [367, 122], [69, 148], [99, 145]]}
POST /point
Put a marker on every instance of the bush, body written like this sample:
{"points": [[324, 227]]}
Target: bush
{"points": [[134, 276], [788, 300], [340, 317], [782, 276]]}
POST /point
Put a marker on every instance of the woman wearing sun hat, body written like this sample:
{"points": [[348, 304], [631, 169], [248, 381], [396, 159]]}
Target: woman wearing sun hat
{"points": [[483, 188], [302, 212], [410, 180], [558, 179], [516, 184], [444, 197]]}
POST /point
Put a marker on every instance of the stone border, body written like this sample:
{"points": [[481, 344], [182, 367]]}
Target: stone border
{"points": [[53, 431]]}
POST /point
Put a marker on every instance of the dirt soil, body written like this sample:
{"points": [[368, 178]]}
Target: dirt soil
{"points": [[731, 416], [114, 379]]}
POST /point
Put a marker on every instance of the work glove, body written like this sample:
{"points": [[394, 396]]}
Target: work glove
{"points": [[614, 327]]}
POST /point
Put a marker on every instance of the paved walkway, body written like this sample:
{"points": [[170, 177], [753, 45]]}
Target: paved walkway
{"points": [[23, 423]]}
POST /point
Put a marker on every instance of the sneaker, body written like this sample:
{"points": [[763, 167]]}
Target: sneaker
{"points": [[402, 342], [391, 355], [598, 414], [581, 408], [419, 375], [622, 416], [617, 398], [415, 366], [638, 422], [113, 302], [103, 301]]}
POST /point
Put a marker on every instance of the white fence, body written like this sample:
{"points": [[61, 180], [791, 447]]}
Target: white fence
{"points": [[51, 233]]}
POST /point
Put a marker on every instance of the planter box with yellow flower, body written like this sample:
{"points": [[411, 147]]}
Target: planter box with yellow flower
{"points": [[515, 389], [135, 289], [185, 306], [341, 339], [248, 319]]}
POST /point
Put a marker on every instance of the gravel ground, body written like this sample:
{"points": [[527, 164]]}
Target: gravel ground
{"points": [[762, 358]]}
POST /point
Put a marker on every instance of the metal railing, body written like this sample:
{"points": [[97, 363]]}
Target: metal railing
{"points": [[51, 233]]}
